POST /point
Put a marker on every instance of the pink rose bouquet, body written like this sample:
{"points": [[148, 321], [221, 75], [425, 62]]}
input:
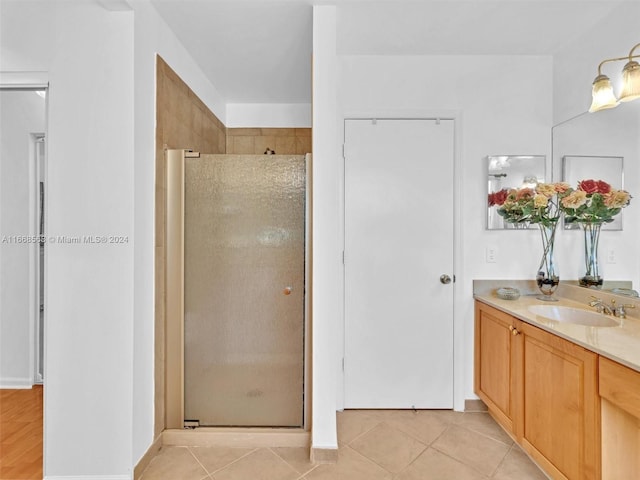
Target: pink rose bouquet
{"points": [[594, 201]]}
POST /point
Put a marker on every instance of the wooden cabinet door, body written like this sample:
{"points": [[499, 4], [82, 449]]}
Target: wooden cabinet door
{"points": [[558, 420], [620, 391], [495, 358]]}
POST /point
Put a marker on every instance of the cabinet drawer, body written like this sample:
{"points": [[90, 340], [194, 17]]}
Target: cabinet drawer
{"points": [[620, 385]]}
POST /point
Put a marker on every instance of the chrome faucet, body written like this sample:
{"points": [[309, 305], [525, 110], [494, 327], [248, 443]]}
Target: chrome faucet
{"points": [[619, 311]]}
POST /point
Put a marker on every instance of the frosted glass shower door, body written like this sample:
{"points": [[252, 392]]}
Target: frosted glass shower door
{"points": [[244, 290]]}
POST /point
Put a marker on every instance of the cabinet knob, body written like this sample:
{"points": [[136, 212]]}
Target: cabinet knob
{"points": [[514, 331]]}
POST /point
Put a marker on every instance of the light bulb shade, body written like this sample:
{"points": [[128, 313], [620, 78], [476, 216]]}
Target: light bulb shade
{"points": [[630, 82], [602, 94]]}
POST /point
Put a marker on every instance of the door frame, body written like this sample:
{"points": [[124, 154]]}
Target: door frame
{"points": [[36, 169], [32, 81], [459, 356], [36, 80]]}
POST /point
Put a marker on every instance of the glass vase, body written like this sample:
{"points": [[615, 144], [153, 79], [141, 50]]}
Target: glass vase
{"points": [[547, 277], [591, 277]]}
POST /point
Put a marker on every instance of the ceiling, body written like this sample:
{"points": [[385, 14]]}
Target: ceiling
{"points": [[259, 51]]}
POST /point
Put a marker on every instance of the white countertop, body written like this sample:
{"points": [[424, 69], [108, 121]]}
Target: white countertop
{"points": [[620, 343]]}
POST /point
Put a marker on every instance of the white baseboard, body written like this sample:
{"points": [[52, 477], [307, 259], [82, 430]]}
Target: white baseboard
{"points": [[88, 477], [15, 383]]}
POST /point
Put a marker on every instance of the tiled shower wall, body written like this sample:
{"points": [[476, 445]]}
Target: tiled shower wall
{"points": [[284, 141], [184, 121]]}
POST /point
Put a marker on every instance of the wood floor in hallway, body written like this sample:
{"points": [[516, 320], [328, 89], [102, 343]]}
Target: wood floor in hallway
{"points": [[21, 434]]}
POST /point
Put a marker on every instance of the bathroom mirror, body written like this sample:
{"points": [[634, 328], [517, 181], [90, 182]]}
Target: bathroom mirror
{"points": [[606, 144], [576, 168], [506, 172]]}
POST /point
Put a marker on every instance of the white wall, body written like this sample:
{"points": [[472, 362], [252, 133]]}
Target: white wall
{"points": [[575, 66], [151, 37], [268, 115], [88, 54], [326, 266], [504, 104], [609, 132], [22, 113]]}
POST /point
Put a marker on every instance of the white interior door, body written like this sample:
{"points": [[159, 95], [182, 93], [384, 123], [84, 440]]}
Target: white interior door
{"points": [[398, 243]]}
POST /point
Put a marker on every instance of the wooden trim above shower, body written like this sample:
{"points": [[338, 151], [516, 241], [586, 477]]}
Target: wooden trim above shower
{"points": [[256, 141]]}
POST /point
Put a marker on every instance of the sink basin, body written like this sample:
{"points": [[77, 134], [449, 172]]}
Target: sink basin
{"points": [[576, 316]]}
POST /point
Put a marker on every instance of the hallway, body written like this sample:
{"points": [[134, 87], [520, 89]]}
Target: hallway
{"points": [[374, 445], [21, 434]]}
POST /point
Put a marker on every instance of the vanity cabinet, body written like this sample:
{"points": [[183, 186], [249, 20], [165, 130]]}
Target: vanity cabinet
{"points": [[620, 392], [559, 421], [543, 390]]}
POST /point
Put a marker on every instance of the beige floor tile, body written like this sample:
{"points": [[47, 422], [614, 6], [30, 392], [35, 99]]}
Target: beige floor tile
{"points": [[472, 448], [298, 458], [350, 466], [352, 424], [467, 446], [382, 415], [517, 466], [483, 423], [438, 466], [174, 463], [215, 458], [389, 447], [424, 425], [262, 464]]}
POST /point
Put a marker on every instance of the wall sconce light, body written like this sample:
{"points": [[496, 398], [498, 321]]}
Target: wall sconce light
{"points": [[602, 93]]}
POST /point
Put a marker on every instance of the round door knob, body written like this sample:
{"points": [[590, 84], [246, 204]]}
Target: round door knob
{"points": [[445, 279], [287, 290]]}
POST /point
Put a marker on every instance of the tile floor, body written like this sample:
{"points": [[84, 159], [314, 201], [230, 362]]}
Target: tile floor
{"points": [[374, 445]]}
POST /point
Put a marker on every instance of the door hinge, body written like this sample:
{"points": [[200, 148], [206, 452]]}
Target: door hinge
{"points": [[343, 150], [343, 257], [343, 364]]}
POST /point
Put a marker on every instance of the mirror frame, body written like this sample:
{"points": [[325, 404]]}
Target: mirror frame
{"points": [[493, 219]]}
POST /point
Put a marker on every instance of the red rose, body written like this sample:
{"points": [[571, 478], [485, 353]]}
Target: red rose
{"points": [[501, 196], [603, 187], [588, 186]]}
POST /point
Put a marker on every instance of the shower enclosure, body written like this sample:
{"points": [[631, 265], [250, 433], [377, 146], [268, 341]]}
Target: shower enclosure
{"points": [[235, 289]]}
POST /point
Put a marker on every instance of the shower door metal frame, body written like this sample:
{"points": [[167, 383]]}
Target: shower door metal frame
{"points": [[174, 290]]}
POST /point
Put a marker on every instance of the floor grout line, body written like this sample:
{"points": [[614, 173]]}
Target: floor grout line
{"points": [[495, 470], [488, 436], [363, 433], [199, 462], [461, 462], [285, 461]]}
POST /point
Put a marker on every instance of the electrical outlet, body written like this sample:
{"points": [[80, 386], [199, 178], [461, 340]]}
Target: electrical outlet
{"points": [[491, 254], [611, 256]]}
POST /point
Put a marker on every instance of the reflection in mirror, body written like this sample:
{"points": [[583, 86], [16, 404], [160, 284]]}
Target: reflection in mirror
{"points": [[605, 134], [507, 172], [576, 168]]}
